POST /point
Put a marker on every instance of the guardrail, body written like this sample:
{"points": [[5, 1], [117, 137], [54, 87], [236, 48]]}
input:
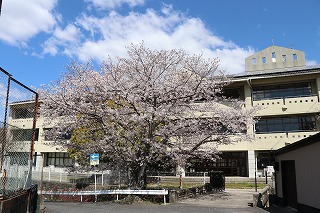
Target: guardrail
{"points": [[116, 192]]}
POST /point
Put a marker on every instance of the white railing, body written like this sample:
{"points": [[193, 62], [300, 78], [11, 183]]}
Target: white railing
{"points": [[116, 192]]}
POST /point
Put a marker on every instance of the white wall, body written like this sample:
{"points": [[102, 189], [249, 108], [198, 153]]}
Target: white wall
{"points": [[307, 166]]}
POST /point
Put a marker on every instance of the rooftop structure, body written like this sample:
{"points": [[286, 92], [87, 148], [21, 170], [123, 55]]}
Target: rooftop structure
{"points": [[275, 57]]}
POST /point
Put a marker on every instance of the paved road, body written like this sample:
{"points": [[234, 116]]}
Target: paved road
{"points": [[142, 208], [229, 201], [236, 198]]}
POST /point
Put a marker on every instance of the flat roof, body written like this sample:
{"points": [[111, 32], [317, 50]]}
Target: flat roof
{"points": [[293, 71]]}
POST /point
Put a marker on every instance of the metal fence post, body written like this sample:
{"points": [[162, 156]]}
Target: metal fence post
{"points": [[102, 178], [95, 186]]}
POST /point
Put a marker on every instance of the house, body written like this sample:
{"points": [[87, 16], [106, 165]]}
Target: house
{"points": [[298, 174]]}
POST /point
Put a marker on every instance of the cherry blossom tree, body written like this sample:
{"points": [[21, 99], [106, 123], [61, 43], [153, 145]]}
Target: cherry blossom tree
{"points": [[152, 107]]}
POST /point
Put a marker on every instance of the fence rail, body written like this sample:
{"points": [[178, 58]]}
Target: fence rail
{"points": [[116, 192]]}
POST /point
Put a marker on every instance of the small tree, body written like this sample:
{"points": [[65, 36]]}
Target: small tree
{"points": [[139, 110]]}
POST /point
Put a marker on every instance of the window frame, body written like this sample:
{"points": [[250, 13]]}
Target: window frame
{"points": [[59, 159]]}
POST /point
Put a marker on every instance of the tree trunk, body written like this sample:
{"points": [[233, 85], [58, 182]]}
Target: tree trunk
{"points": [[138, 176]]}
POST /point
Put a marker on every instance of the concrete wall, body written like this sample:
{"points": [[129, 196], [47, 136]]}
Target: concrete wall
{"points": [[275, 57]]}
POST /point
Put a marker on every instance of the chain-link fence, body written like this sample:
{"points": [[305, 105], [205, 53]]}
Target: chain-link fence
{"points": [[18, 106]]}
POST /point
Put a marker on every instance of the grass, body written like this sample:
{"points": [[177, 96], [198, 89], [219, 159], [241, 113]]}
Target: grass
{"points": [[172, 185], [244, 185], [175, 185]]}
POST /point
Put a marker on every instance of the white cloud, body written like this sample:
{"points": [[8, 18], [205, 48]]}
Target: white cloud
{"points": [[111, 4], [311, 62], [21, 20], [68, 37], [95, 38]]}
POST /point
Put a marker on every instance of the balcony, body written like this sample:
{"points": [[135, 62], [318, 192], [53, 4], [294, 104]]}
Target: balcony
{"points": [[274, 141], [288, 105]]}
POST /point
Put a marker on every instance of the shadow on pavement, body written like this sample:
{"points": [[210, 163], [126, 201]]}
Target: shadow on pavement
{"points": [[279, 209]]}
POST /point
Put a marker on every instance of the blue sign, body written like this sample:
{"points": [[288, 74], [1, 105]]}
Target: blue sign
{"points": [[94, 159], [94, 156]]}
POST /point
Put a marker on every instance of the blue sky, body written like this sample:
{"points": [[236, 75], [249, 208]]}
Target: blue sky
{"points": [[38, 38]]}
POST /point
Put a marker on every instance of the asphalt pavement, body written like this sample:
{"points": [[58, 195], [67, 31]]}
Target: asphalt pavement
{"points": [[228, 201], [143, 208]]}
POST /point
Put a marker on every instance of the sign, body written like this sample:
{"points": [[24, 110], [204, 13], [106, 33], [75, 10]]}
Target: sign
{"points": [[94, 159]]}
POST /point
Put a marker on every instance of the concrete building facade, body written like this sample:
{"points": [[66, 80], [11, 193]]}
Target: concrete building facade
{"points": [[287, 94]]}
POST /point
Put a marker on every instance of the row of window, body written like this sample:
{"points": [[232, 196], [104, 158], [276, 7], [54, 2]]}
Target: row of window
{"points": [[286, 124], [300, 89], [281, 91], [22, 112], [26, 135], [23, 134], [273, 57], [57, 159]]}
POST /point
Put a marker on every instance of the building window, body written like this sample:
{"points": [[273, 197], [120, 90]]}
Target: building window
{"points": [[284, 58], [286, 124], [23, 134], [264, 60], [232, 93], [264, 159], [254, 61], [46, 133], [66, 136], [18, 158], [294, 56], [48, 136], [281, 91], [59, 159], [231, 163], [273, 55], [21, 113]]}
